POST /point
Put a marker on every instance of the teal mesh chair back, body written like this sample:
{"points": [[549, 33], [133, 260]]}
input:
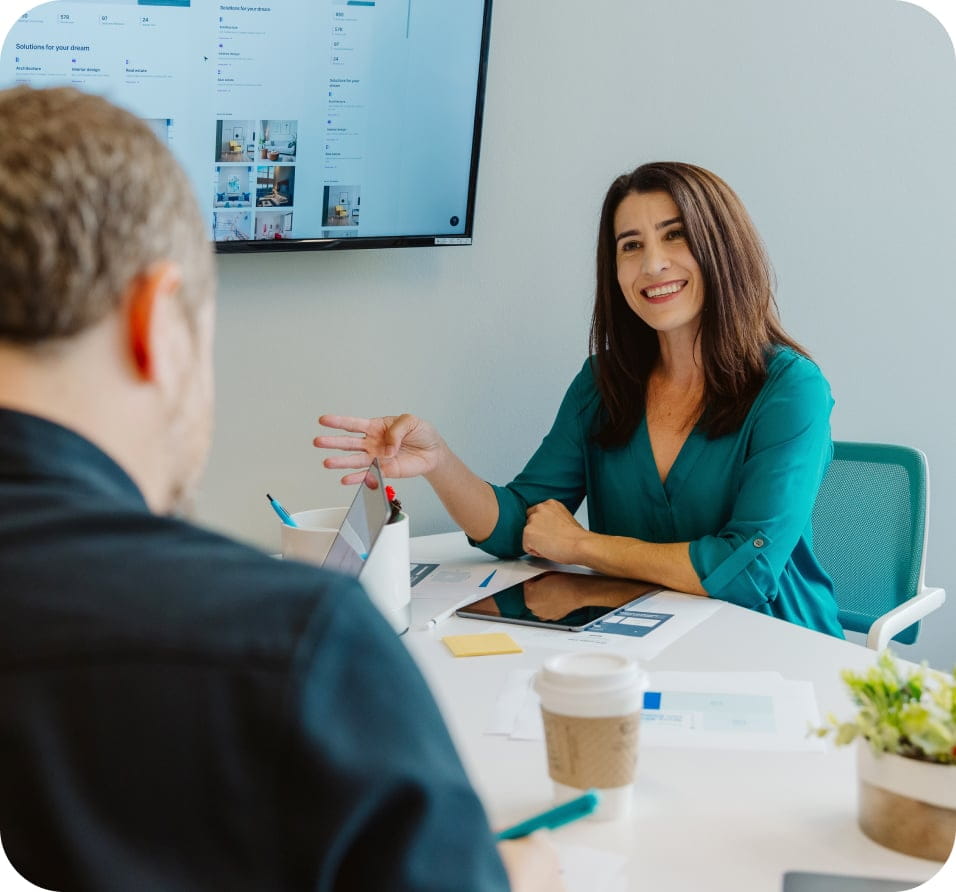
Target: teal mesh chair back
{"points": [[869, 527]]}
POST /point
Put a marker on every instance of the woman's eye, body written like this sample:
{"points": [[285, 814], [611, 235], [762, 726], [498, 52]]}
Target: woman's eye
{"points": [[627, 247], [675, 234]]}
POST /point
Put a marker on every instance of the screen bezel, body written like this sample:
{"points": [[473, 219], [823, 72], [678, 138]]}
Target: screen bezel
{"points": [[468, 611], [427, 240]]}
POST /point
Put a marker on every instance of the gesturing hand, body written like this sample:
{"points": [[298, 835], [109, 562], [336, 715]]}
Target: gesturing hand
{"points": [[405, 445], [552, 532]]}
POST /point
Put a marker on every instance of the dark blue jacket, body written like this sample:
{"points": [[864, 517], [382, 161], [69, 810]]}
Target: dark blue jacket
{"points": [[180, 712]]}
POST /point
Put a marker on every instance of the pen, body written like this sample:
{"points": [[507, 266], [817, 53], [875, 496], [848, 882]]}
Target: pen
{"points": [[484, 582], [284, 515], [441, 617], [554, 817]]}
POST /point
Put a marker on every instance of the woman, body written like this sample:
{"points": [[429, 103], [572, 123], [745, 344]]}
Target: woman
{"points": [[698, 429]]}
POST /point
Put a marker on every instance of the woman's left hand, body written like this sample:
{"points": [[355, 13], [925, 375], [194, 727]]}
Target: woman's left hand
{"points": [[552, 532]]}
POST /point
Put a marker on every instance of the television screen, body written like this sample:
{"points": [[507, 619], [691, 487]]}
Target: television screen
{"points": [[303, 124]]}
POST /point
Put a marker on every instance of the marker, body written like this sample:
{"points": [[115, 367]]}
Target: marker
{"points": [[395, 504], [284, 515], [554, 817]]}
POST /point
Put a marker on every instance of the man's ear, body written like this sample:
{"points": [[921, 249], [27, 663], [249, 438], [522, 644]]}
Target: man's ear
{"points": [[147, 300]]}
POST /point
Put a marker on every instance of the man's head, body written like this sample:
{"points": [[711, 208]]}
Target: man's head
{"points": [[103, 248]]}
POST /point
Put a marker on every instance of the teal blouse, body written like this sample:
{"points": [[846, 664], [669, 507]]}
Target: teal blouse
{"points": [[743, 501]]}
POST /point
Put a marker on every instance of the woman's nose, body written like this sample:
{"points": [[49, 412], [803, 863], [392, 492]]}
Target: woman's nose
{"points": [[655, 260]]}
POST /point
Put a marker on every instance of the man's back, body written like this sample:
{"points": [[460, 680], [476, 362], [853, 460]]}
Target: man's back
{"points": [[178, 711]]}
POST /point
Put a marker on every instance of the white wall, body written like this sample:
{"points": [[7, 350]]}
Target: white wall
{"points": [[835, 120]]}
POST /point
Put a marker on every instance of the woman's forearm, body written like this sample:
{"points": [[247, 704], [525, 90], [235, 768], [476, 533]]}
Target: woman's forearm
{"points": [[665, 563], [468, 499]]}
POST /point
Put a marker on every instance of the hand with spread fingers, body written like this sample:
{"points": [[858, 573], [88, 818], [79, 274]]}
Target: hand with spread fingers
{"points": [[405, 445]]}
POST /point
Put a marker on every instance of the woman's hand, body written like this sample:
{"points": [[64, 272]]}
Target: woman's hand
{"points": [[405, 446], [551, 532]]}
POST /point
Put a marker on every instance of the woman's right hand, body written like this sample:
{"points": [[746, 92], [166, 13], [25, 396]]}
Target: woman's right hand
{"points": [[405, 445]]}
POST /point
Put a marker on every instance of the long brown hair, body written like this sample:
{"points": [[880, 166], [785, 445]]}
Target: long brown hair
{"points": [[739, 321]]}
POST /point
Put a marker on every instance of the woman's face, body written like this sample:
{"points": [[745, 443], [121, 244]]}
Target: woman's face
{"points": [[658, 275]]}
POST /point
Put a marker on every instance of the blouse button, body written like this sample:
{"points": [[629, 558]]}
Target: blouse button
{"points": [[758, 543]]}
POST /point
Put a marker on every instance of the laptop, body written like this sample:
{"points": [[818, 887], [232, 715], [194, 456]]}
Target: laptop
{"points": [[367, 515]]}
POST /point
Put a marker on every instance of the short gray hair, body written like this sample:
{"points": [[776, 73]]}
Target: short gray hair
{"points": [[89, 199]]}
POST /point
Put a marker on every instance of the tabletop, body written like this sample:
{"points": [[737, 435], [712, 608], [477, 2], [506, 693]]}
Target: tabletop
{"points": [[717, 819]]}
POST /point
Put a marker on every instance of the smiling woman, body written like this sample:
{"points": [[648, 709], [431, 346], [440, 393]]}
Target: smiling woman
{"points": [[698, 430]]}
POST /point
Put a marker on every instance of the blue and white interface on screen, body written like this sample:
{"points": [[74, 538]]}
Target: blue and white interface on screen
{"points": [[295, 119]]}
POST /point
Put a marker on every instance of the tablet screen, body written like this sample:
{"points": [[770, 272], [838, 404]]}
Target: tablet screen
{"points": [[559, 600], [368, 513]]}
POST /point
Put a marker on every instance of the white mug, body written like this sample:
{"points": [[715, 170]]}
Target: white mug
{"points": [[386, 574], [312, 536]]}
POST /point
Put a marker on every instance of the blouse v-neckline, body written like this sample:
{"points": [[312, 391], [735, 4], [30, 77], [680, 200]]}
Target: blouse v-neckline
{"points": [[669, 488]]}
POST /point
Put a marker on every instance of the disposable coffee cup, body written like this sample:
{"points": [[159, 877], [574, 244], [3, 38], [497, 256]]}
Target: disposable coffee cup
{"points": [[312, 536], [591, 706], [386, 576]]}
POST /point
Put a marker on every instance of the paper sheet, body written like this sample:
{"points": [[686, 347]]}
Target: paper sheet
{"points": [[584, 869], [637, 631], [707, 710], [453, 580]]}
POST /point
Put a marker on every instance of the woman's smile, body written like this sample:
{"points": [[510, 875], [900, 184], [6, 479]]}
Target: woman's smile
{"points": [[664, 291]]}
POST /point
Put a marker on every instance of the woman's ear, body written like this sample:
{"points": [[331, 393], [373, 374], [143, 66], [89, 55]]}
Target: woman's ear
{"points": [[147, 303]]}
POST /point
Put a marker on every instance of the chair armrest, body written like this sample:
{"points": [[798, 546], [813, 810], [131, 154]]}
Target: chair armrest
{"points": [[909, 612]]}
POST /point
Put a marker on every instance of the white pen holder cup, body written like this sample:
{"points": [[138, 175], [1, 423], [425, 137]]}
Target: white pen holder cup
{"points": [[386, 574], [311, 538]]}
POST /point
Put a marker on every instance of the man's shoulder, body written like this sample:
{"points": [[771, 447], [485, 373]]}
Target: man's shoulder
{"points": [[141, 586]]}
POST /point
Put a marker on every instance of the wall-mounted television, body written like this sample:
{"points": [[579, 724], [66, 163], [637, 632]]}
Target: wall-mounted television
{"points": [[303, 124]]}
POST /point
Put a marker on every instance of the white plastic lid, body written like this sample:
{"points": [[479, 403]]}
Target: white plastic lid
{"points": [[590, 683]]}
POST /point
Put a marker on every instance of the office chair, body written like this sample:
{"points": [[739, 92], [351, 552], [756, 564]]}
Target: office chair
{"points": [[870, 525]]}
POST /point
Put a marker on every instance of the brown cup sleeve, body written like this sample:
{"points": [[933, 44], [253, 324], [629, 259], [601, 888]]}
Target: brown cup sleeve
{"points": [[591, 752]]}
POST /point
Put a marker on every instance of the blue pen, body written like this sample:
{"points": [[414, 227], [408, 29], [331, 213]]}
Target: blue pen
{"points": [[484, 582], [284, 515], [554, 817]]}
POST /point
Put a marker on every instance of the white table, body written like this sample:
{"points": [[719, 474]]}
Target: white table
{"points": [[703, 819]]}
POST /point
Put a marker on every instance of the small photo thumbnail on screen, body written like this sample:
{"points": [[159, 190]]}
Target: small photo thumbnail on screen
{"points": [[233, 187], [273, 224], [341, 205], [236, 140], [232, 226], [275, 186], [278, 140]]}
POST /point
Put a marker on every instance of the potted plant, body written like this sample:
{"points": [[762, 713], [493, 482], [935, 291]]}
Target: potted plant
{"points": [[906, 755]]}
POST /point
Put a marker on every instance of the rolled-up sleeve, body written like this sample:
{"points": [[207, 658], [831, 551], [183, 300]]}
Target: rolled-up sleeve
{"points": [[788, 453], [555, 471]]}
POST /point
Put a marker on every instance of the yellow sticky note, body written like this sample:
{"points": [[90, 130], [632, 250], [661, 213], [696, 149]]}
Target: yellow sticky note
{"points": [[481, 645]]}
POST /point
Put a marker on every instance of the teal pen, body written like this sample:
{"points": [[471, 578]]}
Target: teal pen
{"points": [[284, 515], [554, 817]]}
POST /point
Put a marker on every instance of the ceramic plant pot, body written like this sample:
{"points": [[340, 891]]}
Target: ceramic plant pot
{"points": [[906, 804]]}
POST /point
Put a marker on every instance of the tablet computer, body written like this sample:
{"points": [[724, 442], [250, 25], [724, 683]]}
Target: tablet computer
{"points": [[556, 599], [367, 515], [801, 881]]}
